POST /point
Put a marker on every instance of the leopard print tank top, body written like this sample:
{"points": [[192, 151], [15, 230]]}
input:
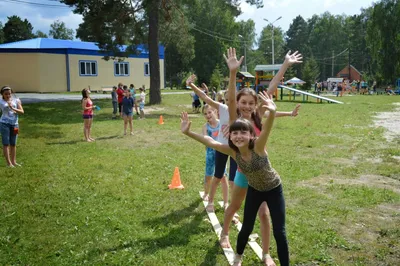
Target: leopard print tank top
{"points": [[260, 175]]}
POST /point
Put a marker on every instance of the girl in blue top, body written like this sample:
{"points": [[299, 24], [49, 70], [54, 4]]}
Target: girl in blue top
{"points": [[10, 109], [211, 129]]}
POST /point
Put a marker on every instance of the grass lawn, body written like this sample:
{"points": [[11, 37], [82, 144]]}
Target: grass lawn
{"points": [[108, 202]]}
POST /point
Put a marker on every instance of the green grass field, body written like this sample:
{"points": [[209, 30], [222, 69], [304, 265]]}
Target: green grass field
{"points": [[108, 202]]}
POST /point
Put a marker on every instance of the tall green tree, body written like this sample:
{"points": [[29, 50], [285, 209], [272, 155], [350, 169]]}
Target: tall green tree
{"points": [[40, 34], [17, 29], [265, 44], [1, 33], [58, 30], [383, 37], [310, 73], [113, 24], [327, 39], [297, 39]]}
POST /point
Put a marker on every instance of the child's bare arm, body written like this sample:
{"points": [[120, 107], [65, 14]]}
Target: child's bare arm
{"points": [[261, 141], [206, 140], [233, 65], [200, 93], [293, 113], [290, 59]]}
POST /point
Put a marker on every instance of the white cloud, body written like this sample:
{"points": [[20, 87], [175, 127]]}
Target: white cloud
{"points": [[40, 17], [247, 9]]}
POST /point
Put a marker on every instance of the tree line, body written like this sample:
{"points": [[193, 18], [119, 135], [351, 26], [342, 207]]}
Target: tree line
{"points": [[195, 34], [17, 29]]}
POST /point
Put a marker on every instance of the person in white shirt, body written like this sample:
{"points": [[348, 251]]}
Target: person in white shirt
{"points": [[10, 108], [142, 101]]}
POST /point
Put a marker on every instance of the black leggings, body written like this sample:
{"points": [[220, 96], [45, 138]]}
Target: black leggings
{"points": [[220, 165], [276, 205]]}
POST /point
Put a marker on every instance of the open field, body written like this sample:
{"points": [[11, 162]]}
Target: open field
{"points": [[107, 202]]}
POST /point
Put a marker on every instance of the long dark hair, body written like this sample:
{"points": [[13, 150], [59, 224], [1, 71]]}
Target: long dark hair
{"points": [[255, 115], [241, 124], [85, 94], [5, 88]]}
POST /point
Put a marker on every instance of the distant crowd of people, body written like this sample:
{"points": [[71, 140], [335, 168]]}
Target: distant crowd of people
{"points": [[353, 87], [123, 99]]}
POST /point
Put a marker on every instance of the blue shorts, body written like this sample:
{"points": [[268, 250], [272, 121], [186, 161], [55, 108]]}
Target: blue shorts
{"points": [[8, 136], [141, 106], [128, 114], [241, 180], [87, 116], [210, 163]]}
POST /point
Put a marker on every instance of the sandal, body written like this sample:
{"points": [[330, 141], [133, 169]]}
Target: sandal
{"points": [[267, 259], [235, 218], [224, 238], [238, 260], [210, 207], [226, 205]]}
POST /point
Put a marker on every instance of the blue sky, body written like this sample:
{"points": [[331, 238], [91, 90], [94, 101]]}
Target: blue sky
{"points": [[41, 17]]}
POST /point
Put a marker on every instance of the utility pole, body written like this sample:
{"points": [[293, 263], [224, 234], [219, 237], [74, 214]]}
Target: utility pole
{"points": [[333, 62], [349, 65], [272, 40], [245, 57]]}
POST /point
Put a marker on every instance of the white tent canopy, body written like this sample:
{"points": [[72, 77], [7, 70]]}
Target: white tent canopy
{"points": [[295, 81]]}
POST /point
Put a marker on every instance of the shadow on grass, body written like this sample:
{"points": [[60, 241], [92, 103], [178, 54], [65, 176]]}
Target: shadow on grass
{"points": [[176, 236], [78, 141], [38, 131]]}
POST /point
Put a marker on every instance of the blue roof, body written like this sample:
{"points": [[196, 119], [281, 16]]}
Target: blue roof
{"points": [[48, 44]]}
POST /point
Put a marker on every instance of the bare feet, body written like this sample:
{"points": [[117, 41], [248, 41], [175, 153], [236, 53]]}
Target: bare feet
{"points": [[235, 218], [224, 241], [210, 207], [268, 261], [92, 139]]}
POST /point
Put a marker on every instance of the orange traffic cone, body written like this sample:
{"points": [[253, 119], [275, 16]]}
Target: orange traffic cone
{"points": [[176, 180], [161, 121]]}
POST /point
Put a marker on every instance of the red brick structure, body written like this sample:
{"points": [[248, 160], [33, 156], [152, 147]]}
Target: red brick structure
{"points": [[354, 73]]}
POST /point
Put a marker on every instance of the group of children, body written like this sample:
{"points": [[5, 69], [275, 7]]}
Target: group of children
{"points": [[123, 98], [235, 129]]}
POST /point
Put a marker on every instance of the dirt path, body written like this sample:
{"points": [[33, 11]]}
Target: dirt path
{"points": [[391, 122]]}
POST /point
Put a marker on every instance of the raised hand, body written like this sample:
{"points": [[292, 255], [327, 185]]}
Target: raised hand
{"points": [[185, 123], [191, 79], [267, 102], [231, 60], [294, 58], [204, 86], [295, 111]]}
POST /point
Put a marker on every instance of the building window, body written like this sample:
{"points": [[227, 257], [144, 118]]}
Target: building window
{"points": [[146, 69], [121, 68], [87, 68]]}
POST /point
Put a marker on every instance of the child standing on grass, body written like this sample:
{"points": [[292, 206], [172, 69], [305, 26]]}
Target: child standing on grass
{"points": [[114, 101], [211, 129], [120, 93], [87, 107], [220, 159], [264, 183], [127, 110], [142, 102], [10, 108], [133, 93]]}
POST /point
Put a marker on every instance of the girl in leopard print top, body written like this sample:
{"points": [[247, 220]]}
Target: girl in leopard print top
{"points": [[264, 182]]}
